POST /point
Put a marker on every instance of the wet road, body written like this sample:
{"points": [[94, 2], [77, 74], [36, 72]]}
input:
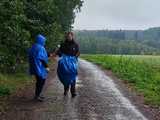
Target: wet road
{"points": [[98, 99]]}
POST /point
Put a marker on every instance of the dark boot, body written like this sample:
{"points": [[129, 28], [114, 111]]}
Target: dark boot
{"points": [[73, 90], [39, 99]]}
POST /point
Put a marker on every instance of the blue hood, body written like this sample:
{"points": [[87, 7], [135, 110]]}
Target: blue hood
{"points": [[37, 54], [40, 39]]}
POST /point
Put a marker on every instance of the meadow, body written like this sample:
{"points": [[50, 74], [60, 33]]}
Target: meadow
{"points": [[141, 72]]}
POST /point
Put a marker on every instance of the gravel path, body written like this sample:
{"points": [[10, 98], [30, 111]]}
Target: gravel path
{"points": [[98, 99]]}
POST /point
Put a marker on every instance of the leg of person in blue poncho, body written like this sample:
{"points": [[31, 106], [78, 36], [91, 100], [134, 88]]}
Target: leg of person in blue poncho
{"points": [[73, 89], [39, 86]]}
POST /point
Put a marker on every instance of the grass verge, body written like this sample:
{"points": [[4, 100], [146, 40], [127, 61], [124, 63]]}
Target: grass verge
{"points": [[142, 72]]}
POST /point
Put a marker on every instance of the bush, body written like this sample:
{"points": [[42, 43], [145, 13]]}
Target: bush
{"points": [[4, 90], [22, 20]]}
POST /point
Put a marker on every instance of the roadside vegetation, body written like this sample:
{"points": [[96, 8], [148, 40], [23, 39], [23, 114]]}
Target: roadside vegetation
{"points": [[141, 72]]}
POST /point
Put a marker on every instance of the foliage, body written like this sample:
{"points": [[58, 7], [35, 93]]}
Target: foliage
{"points": [[9, 83], [22, 20], [142, 72], [119, 41]]}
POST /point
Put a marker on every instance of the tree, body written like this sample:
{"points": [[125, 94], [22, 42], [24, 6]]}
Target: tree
{"points": [[22, 20]]}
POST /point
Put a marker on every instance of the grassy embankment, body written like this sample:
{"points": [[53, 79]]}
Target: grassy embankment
{"points": [[11, 83], [141, 72]]}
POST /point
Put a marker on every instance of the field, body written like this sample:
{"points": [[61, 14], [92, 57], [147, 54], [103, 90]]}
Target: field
{"points": [[142, 72]]}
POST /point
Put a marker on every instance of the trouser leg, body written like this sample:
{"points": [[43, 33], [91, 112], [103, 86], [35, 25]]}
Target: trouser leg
{"points": [[66, 89], [39, 86], [73, 89]]}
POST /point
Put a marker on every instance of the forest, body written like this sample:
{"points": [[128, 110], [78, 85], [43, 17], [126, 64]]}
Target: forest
{"points": [[134, 42], [22, 20]]}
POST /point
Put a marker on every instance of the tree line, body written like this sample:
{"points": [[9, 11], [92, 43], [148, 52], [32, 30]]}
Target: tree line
{"points": [[119, 41]]}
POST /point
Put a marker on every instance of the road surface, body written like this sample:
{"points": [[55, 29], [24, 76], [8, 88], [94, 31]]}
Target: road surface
{"points": [[98, 99]]}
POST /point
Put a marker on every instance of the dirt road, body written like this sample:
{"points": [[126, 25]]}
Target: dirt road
{"points": [[98, 99]]}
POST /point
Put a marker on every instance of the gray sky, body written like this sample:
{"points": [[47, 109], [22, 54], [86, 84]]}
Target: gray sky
{"points": [[118, 14]]}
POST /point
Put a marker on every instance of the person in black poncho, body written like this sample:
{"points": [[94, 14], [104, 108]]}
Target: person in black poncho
{"points": [[67, 65]]}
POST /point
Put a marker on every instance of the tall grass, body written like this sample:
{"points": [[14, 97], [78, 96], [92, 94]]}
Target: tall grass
{"points": [[143, 72], [9, 83]]}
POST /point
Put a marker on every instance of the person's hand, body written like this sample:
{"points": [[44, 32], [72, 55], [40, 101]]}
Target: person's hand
{"points": [[78, 54], [54, 54], [47, 69]]}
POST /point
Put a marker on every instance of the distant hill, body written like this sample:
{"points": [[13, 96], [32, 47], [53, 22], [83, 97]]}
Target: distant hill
{"points": [[120, 41]]}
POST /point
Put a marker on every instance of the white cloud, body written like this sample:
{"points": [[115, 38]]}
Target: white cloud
{"points": [[118, 14]]}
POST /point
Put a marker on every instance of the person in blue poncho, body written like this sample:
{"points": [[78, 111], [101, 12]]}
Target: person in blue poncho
{"points": [[38, 60], [67, 64]]}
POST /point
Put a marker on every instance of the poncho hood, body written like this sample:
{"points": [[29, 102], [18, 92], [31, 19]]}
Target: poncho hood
{"points": [[40, 39]]}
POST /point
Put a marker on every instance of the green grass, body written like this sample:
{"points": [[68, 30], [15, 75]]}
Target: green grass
{"points": [[9, 83], [142, 72]]}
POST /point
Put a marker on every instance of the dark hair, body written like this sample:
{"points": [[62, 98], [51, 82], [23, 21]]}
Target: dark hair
{"points": [[67, 34]]}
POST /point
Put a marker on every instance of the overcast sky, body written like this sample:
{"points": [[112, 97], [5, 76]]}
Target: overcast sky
{"points": [[118, 14]]}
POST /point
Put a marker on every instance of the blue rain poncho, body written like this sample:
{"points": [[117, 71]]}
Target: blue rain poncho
{"points": [[67, 69], [37, 55]]}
